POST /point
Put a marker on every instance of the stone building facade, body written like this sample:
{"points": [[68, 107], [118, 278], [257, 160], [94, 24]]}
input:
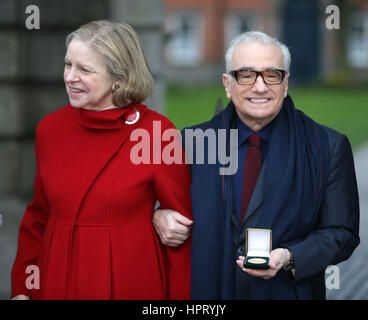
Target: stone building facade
{"points": [[31, 70], [198, 33], [31, 86]]}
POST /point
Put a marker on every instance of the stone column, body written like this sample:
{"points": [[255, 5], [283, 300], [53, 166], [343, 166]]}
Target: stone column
{"points": [[31, 86], [11, 120]]}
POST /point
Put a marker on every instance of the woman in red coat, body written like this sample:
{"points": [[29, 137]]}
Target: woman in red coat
{"points": [[88, 231]]}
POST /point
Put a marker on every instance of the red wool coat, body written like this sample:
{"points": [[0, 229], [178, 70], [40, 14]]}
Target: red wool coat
{"points": [[89, 227]]}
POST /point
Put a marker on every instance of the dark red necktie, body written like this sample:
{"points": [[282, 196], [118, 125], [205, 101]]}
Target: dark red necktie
{"points": [[252, 168]]}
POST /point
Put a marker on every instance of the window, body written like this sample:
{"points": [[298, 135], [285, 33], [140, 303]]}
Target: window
{"points": [[357, 43], [237, 23], [183, 47]]}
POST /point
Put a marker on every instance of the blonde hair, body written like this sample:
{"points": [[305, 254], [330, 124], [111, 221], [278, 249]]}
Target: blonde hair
{"points": [[118, 44]]}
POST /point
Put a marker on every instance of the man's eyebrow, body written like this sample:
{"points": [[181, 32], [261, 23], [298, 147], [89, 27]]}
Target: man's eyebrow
{"points": [[246, 68], [253, 69]]}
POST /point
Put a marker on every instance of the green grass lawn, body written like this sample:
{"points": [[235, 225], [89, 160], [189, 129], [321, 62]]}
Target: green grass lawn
{"points": [[343, 109]]}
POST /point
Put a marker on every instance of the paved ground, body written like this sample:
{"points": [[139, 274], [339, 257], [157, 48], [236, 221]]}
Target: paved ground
{"points": [[353, 272], [12, 210]]}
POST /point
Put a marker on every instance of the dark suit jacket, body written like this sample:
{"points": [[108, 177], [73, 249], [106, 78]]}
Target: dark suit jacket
{"points": [[333, 240]]}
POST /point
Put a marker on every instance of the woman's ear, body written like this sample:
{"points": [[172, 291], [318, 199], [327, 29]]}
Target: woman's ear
{"points": [[115, 86]]}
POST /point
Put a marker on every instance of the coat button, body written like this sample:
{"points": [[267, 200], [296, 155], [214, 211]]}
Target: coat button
{"points": [[241, 250]]}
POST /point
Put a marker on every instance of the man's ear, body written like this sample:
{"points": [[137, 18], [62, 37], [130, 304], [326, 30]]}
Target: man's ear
{"points": [[286, 84], [226, 82]]}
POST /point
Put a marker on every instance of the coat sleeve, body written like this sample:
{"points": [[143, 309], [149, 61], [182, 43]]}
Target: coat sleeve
{"points": [[172, 188], [30, 236], [337, 233]]}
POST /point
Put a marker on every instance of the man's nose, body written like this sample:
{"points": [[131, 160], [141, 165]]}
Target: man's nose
{"points": [[259, 85]]}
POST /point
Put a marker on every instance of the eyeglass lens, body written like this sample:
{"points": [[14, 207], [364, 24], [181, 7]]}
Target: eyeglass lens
{"points": [[269, 76]]}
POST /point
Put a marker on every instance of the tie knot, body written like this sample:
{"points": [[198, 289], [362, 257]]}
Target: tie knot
{"points": [[254, 140]]}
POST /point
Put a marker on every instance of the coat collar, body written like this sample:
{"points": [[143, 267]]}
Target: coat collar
{"points": [[226, 117], [105, 119], [70, 149]]}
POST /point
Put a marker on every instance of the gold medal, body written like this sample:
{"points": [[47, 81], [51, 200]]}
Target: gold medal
{"points": [[257, 260]]}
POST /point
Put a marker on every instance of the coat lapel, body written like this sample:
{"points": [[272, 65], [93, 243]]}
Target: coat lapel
{"points": [[106, 156], [76, 155]]}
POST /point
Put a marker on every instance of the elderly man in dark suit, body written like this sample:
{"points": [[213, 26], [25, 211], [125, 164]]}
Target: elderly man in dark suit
{"points": [[295, 177]]}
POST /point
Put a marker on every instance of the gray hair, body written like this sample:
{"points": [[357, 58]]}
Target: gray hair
{"points": [[260, 37]]}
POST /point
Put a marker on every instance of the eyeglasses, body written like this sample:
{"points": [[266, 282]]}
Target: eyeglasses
{"points": [[248, 77]]}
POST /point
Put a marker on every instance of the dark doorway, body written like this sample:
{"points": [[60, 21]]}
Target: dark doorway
{"points": [[301, 34]]}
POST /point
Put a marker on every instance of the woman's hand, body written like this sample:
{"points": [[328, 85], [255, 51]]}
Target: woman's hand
{"points": [[172, 227]]}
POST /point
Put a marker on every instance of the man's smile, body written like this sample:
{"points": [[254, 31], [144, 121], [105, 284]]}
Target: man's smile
{"points": [[258, 100]]}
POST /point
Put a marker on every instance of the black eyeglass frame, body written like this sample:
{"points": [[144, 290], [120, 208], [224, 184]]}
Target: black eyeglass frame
{"points": [[234, 73]]}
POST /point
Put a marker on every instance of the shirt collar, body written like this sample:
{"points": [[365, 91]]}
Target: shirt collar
{"points": [[107, 108], [244, 131]]}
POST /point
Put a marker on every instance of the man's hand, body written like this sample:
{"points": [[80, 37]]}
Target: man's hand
{"points": [[172, 227], [278, 259]]}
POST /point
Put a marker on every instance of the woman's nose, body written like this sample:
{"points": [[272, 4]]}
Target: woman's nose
{"points": [[70, 75]]}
